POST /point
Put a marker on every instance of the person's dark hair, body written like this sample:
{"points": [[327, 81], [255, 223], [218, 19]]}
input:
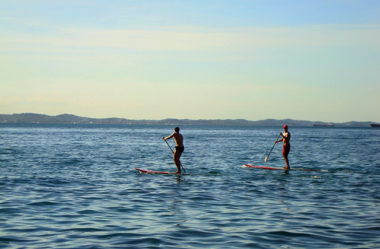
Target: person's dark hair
{"points": [[176, 129]]}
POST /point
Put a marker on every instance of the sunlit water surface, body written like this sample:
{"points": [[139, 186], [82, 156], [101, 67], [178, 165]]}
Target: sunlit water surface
{"points": [[76, 187]]}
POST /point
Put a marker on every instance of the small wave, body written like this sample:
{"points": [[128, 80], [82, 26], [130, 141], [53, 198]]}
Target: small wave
{"points": [[83, 230], [148, 241], [194, 233], [43, 203], [11, 239], [87, 211], [9, 210], [120, 234], [10, 151], [311, 237], [288, 234]]}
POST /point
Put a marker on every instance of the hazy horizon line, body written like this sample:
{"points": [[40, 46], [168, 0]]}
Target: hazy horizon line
{"points": [[195, 119]]}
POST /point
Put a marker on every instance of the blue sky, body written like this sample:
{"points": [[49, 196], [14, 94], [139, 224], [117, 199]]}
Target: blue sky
{"points": [[314, 60]]}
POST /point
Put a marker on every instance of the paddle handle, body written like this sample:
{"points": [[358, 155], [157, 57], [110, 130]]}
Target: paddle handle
{"points": [[266, 158], [169, 146]]}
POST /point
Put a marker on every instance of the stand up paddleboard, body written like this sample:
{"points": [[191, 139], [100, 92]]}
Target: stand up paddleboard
{"points": [[272, 168], [154, 172], [260, 167]]}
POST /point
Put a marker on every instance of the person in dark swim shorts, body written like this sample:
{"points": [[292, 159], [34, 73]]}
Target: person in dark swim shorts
{"points": [[179, 148], [286, 147]]}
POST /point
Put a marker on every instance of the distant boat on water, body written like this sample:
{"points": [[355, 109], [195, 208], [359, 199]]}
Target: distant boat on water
{"points": [[375, 125], [323, 125]]}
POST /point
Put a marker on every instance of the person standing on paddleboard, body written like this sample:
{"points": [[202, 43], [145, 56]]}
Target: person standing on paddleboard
{"points": [[286, 147], [179, 148]]}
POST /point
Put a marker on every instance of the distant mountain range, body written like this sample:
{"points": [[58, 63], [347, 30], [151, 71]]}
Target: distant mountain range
{"points": [[33, 118]]}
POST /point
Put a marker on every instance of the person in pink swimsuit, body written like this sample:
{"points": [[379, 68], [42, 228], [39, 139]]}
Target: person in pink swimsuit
{"points": [[286, 147]]}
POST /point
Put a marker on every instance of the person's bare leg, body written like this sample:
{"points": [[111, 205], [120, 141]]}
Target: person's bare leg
{"points": [[177, 162], [287, 163]]}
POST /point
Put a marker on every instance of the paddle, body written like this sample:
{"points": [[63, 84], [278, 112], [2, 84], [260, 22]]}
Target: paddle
{"points": [[266, 158], [184, 171]]}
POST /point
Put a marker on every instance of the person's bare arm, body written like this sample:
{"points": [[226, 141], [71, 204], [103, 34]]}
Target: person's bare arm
{"points": [[282, 139], [168, 137], [279, 141]]}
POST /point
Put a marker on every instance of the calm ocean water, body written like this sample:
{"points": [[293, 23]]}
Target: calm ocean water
{"points": [[76, 187]]}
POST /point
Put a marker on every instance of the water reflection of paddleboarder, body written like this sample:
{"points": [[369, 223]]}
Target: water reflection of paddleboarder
{"points": [[286, 147]]}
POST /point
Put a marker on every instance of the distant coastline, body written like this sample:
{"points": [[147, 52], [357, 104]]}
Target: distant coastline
{"points": [[34, 118]]}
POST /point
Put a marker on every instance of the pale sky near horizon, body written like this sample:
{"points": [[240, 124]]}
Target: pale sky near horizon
{"points": [[199, 59]]}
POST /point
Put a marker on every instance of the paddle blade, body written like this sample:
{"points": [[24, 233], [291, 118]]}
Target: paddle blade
{"points": [[266, 159]]}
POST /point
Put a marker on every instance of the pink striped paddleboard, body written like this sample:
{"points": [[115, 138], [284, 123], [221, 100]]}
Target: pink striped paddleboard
{"points": [[272, 168], [153, 171], [260, 167]]}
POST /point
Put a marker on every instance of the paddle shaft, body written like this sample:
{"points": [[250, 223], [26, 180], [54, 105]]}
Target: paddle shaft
{"points": [[266, 158], [173, 154]]}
